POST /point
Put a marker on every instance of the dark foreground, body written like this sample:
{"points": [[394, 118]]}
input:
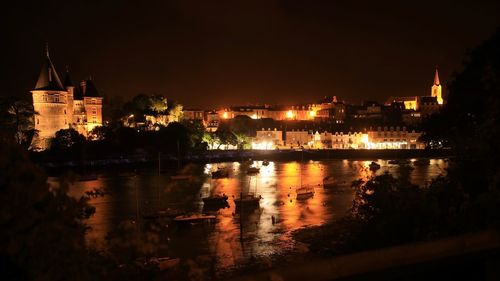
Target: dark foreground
{"points": [[473, 256]]}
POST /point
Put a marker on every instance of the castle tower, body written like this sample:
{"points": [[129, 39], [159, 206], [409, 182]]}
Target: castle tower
{"points": [[92, 103], [70, 88], [436, 88], [50, 101]]}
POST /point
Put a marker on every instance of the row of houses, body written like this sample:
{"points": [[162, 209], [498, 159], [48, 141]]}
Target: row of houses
{"points": [[378, 138]]}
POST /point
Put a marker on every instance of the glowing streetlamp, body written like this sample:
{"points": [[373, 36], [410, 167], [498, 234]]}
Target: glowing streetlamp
{"points": [[225, 115], [289, 114], [312, 113]]}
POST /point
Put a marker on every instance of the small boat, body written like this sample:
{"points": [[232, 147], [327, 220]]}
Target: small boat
{"points": [[192, 218], [96, 192], [304, 193], [374, 166], [329, 181], [248, 200], [165, 213], [181, 177], [215, 199], [421, 162], [88, 177], [253, 170], [265, 163], [162, 263], [220, 173]]}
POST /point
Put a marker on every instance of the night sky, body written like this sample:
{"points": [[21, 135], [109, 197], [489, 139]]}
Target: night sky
{"points": [[212, 53]]}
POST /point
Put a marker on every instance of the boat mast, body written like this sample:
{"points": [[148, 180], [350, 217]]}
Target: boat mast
{"points": [[159, 188], [178, 155], [301, 161]]}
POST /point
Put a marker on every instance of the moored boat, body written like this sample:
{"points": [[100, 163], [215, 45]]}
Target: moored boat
{"points": [[249, 200], [398, 162], [220, 173], [215, 199], [305, 193], [253, 170], [329, 181], [192, 218], [374, 166]]}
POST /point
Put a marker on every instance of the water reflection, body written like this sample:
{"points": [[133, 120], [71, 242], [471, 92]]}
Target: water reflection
{"points": [[238, 236]]}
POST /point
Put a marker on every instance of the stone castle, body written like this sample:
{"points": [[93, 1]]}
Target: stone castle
{"points": [[63, 106]]}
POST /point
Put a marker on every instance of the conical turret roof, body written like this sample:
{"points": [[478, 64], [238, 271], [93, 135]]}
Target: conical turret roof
{"points": [[90, 90], [67, 80], [48, 78]]}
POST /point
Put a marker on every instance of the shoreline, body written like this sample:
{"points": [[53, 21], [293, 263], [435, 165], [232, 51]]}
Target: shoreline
{"points": [[144, 160]]}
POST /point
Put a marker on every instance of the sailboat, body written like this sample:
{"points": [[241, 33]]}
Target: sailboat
{"points": [[179, 176], [220, 173], [374, 166], [253, 170], [159, 212], [304, 192], [250, 200], [329, 181], [215, 199]]}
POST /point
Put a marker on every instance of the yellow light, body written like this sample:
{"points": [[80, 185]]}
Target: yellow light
{"points": [[312, 113], [289, 114], [254, 116], [225, 115]]}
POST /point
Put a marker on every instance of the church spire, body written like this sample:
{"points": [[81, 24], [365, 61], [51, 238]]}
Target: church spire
{"points": [[436, 88], [436, 77]]}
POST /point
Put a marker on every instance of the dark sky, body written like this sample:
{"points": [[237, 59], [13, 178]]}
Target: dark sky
{"points": [[213, 53]]}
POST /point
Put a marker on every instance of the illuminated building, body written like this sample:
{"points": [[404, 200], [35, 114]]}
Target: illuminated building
{"points": [[349, 140], [63, 106], [268, 139], [369, 110], [193, 114], [428, 106], [424, 105], [394, 138], [211, 121], [327, 109], [436, 89], [298, 139], [410, 103]]}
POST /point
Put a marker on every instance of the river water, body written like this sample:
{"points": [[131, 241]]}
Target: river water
{"points": [[232, 239]]}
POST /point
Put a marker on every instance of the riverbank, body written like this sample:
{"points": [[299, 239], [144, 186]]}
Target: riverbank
{"points": [[138, 160]]}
